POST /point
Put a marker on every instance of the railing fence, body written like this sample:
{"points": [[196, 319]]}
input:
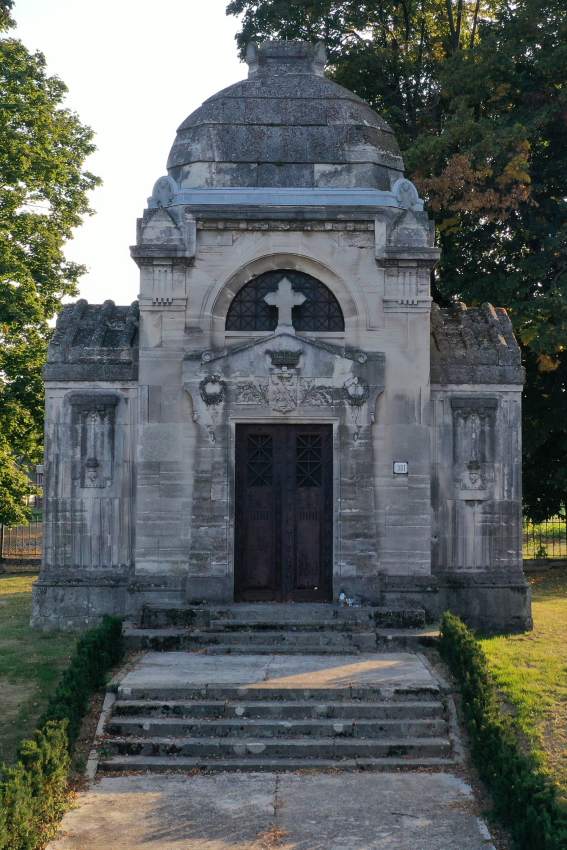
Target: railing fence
{"points": [[541, 540], [21, 542], [546, 540]]}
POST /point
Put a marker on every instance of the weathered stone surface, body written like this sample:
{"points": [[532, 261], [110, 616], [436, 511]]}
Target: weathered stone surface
{"points": [[94, 342], [279, 672], [285, 126], [474, 346], [391, 811]]}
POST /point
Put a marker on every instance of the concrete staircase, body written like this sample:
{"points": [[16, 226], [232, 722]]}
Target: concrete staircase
{"points": [[234, 728], [271, 628]]}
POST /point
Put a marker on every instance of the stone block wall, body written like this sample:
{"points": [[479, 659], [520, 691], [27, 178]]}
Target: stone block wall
{"points": [[89, 497]]}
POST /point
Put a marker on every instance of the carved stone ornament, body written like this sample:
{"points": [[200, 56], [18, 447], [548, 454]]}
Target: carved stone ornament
{"points": [[406, 194], [164, 191], [319, 395], [356, 391], [472, 478], [212, 389], [282, 390], [285, 358], [249, 393]]}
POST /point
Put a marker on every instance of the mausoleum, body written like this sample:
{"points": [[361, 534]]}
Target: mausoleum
{"points": [[284, 415]]}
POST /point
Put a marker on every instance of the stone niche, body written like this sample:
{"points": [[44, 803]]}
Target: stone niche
{"points": [[474, 423], [93, 421], [282, 378]]}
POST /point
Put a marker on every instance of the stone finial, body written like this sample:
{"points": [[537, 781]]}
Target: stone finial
{"points": [[163, 193], [285, 299], [406, 195], [286, 57]]}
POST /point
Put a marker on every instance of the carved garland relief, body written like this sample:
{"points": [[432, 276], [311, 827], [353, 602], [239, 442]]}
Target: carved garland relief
{"points": [[285, 390]]}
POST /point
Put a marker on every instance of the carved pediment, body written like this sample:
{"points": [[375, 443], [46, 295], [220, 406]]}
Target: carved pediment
{"points": [[284, 373]]}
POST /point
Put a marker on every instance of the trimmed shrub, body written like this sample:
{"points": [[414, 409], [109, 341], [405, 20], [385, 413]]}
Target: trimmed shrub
{"points": [[33, 792], [97, 652], [524, 798]]}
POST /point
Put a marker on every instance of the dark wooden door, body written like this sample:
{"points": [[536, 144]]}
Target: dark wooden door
{"points": [[284, 525]]}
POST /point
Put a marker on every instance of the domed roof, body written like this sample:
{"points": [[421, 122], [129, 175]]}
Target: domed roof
{"points": [[286, 125]]}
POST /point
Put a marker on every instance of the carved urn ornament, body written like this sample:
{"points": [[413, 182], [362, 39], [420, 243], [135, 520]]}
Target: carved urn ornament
{"points": [[356, 391], [472, 478], [212, 389], [91, 467]]}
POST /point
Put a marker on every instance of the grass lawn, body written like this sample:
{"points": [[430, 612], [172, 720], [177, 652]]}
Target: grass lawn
{"points": [[531, 670], [30, 663]]}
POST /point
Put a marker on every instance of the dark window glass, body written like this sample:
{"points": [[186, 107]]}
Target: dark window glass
{"points": [[319, 312]]}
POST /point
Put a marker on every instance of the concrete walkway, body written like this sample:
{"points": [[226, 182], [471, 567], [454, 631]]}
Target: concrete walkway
{"points": [[397, 811], [305, 810]]}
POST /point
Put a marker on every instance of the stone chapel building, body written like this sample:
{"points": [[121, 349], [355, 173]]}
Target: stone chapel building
{"points": [[284, 415]]}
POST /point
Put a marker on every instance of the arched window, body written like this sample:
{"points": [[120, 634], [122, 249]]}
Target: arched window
{"points": [[319, 312]]}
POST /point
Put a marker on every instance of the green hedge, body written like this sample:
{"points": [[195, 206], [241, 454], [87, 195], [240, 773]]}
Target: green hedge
{"points": [[524, 798], [33, 792]]}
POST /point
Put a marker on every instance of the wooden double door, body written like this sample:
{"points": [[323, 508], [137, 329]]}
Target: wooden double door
{"points": [[284, 513]]}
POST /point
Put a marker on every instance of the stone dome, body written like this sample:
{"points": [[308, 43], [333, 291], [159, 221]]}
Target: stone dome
{"points": [[286, 125]]}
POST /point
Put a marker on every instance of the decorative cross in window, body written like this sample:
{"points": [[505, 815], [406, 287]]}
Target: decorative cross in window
{"points": [[284, 299]]}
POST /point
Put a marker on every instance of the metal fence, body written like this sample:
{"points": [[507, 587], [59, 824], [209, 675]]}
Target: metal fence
{"points": [[21, 542], [547, 539], [541, 540]]}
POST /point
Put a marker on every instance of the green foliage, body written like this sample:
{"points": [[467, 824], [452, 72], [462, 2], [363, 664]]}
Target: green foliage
{"points": [[6, 20], [476, 94], [524, 799], [31, 664], [15, 486], [33, 793], [97, 651], [43, 196]]}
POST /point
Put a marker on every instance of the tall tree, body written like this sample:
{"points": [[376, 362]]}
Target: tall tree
{"points": [[43, 196], [476, 93]]}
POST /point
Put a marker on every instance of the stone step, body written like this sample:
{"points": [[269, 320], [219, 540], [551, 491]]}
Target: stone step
{"points": [[304, 748], [149, 727], [283, 709], [327, 643], [337, 625], [279, 640], [284, 616], [259, 649], [217, 643], [173, 764], [237, 693]]}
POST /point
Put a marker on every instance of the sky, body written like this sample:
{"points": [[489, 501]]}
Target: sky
{"points": [[134, 69]]}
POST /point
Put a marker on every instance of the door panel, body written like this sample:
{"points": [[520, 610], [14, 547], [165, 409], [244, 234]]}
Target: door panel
{"points": [[256, 518], [283, 532]]}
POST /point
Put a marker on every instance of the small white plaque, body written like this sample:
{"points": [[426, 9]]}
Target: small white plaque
{"points": [[400, 467]]}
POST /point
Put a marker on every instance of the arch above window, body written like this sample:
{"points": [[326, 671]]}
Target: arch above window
{"points": [[319, 312]]}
